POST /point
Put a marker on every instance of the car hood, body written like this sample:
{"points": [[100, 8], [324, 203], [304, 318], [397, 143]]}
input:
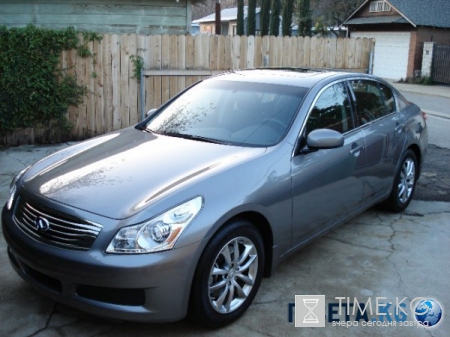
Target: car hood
{"points": [[119, 174]]}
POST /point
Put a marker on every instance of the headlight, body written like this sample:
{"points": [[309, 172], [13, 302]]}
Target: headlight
{"points": [[157, 234], [13, 188]]}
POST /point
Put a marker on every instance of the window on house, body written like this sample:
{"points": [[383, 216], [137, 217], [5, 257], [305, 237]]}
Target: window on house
{"points": [[379, 6], [234, 27]]}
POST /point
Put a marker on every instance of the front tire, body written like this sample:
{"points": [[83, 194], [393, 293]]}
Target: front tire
{"points": [[228, 275], [404, 184]]}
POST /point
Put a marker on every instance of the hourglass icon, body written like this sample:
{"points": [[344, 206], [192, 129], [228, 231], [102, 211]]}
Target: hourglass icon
{"points": [[310, 304]]}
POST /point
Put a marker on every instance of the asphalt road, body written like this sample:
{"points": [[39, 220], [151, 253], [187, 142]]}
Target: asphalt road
{"points": [[434, 184], [433, 103]]}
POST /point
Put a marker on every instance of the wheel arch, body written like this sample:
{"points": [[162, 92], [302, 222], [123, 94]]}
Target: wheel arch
{"points": [[263, 225], [416, 150]]}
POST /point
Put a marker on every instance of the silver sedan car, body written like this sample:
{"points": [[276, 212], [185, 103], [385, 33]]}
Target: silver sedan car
{"points": [[184, 213]]}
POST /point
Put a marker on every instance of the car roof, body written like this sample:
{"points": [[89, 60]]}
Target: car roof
{"points": [[285, 76]]}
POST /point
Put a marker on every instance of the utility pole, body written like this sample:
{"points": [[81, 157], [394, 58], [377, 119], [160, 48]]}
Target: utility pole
{"points": [[218, 19]]}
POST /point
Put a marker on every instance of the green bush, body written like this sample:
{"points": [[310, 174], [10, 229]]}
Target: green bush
{"points": [[34, 90]]}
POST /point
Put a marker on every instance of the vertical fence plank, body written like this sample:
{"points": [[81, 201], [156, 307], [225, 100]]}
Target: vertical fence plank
{"points": [[272, 51], [358, 53], [198, 52], [351, 53], [307, 51], [265, 49], [339, 54], [80, 126], [90, 104], [287, 52], [228, 52], [173, 64], [181, 61], [314, 53], [365, 52], [250, 54], [165, 63], [243, 52], [124, 80], [258, 59], [133, 90], [72, 71], [221, 53], [213, 55], [115, 75], [99, 101], [107, 82]]}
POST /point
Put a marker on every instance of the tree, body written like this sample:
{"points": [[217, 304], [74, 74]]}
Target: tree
{"points": [[275, 18], [265, 17], [333, 12], [251, 17], [288, 9], [304, 18], [240, 18]]}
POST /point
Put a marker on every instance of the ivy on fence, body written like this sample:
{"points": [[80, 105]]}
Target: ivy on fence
{"points": [[34, 90]]}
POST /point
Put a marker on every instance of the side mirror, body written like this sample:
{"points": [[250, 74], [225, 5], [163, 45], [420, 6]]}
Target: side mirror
{"points": [[150, 112], [324, 139]]}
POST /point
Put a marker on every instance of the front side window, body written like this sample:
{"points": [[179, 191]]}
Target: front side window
{"points": [[332, 110], [369, 101]]}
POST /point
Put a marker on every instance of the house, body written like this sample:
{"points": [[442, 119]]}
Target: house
{"points": [[228, 18], [400, 28], [101, 16]]}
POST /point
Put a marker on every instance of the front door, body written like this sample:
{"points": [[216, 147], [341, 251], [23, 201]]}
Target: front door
{"points": [[327, 184]]}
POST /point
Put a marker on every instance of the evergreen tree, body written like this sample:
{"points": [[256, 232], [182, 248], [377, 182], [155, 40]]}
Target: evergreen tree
{"points": [[288, 9], [275, 18], [264, 17], [304, 18], [251, 17], [240, 18]]}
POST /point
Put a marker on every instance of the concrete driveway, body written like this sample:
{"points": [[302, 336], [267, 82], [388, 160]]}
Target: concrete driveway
{"points": [[378, 256]]}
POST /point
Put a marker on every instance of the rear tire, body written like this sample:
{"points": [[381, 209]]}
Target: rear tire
{"points": [[404, 184], [228, 275]]}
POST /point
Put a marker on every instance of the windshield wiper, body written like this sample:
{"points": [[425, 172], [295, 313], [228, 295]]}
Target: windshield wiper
{"points": [[193, 137]]}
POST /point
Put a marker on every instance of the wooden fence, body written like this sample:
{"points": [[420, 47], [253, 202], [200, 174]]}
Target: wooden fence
{"points": [[113, 101]]}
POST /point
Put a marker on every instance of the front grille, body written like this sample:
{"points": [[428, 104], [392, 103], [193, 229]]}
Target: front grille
{"points": [[131, 297], [63, 230]]}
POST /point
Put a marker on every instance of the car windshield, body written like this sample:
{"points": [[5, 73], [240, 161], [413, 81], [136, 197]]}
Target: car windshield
{"points": [[230, 112]]}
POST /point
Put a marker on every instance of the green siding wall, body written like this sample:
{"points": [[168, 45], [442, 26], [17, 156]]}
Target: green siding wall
{"points": [[122, 16]]}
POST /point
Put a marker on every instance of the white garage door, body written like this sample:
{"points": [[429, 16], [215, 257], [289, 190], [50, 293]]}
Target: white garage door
{"points": [[391, 53]]}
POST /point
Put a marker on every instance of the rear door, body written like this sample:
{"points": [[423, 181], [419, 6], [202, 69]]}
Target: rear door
{"points": [[327, 184], [384, 131]]}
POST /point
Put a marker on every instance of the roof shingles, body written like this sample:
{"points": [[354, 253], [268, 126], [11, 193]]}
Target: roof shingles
{"points": [[433, 13]]}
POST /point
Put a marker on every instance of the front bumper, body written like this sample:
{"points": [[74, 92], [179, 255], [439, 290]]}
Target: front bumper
{"points": [[141, 287]]}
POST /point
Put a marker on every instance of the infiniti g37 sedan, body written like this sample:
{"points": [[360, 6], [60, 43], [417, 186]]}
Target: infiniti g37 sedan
{"points": [[185, 212]]}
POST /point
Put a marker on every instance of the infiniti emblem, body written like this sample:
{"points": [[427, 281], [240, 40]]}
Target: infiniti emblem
{"points": [[42, 224]]}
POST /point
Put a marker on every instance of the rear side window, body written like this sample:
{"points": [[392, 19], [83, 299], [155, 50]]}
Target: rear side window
{"points": [[369, 100], [332, 111], [389, 99]]}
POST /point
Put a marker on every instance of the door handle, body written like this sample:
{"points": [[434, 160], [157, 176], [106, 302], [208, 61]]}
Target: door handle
{"points": [[356, 150]]}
